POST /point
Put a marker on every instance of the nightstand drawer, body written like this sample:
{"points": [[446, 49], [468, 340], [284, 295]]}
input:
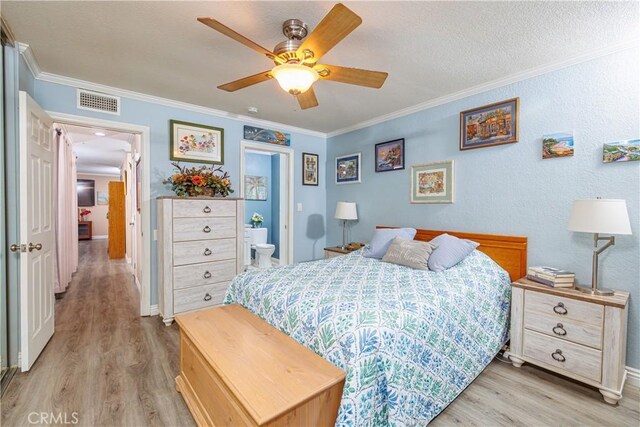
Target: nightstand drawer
{"points": [[563, 308], [565, 329], [574, 358]]}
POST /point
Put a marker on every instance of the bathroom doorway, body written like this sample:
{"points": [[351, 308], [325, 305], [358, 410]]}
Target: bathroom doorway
{"points": [[266, 184]]}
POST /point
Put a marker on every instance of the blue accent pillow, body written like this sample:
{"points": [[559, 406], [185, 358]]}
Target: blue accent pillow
{"points": [[382, 239], [449, 251]]}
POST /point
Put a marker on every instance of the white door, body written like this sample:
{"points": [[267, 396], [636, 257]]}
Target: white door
{"points": [[36, 230]]}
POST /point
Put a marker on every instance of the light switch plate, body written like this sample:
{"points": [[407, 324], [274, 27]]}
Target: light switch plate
{"points": [[299, 207]]}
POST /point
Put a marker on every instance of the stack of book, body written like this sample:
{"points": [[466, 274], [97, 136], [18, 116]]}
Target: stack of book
{"points": [[550, 276]]}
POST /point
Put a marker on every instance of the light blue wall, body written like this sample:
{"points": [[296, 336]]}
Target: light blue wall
{"points": [[275, 205], [509, 189], [260, 165], [62, 99]]}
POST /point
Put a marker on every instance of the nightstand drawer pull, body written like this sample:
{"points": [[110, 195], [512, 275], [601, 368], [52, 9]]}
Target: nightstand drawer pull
{"points": [[559, 330], [206, 209], [207, 275], [560, 309], [207, 297], [206, 229], [207, 252], [557, 355]]}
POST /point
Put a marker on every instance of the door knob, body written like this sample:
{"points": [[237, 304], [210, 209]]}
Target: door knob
{"points": [[37, 246], [14, 248]]}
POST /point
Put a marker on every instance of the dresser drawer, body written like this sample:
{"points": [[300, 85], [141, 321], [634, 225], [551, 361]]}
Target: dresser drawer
{"points": [[563, 308], [185, 229], [188, 276], [565, 329], [203, 251], [203, 208], [199, 297], [577, 359]]}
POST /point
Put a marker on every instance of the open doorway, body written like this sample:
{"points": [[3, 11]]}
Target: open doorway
{"points": [[266, 184]]}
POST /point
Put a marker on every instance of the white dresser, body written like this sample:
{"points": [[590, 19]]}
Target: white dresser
{"points": [[575, 334], [200, 250]]}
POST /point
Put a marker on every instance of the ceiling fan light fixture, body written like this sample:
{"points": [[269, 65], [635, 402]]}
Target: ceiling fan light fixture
{"points": [[294, 78]]}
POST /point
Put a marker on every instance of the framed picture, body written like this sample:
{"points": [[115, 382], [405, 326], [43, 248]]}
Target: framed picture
{"points": [[390, 155], [253, 133], [348, 169], [191, 142], [103, 198], [432, 182], [309, 169], [621, 151], [255, 187], [493, 124], [557, 145]]}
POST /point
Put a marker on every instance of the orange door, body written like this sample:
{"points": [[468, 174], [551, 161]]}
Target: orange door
{"points": [[117, 220]]}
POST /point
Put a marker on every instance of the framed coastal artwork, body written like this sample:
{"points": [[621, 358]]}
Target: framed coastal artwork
{"points": [[255, 187], [621, 151], [557, 145], [191, 142], [252, 133], [492, 124], [348, 168], [103, 197], [432, 182], [309, 169], [390, 155]]}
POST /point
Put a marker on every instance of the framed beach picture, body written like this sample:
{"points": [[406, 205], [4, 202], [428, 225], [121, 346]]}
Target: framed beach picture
{"points": [[252, 133], [557, 145], [390, 155], [348, 169], [255, 187], [621, 151], [309, 169], [492, 124], [432, 182], [103, 197], [191, 142]]}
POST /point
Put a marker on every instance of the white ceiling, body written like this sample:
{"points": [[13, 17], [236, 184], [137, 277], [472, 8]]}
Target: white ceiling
{"points": [[430, 49], [98, 155]]}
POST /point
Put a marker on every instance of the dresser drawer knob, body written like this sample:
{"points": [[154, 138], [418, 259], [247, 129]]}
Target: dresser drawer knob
{"points": [[206, 209], [207, 297], [559, 330], [557, 355], [560, 309], [206, 229], [207, 252], [206, 275]]}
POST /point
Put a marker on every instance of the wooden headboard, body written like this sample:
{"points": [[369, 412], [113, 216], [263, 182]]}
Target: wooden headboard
{"points": [[509, 252]]}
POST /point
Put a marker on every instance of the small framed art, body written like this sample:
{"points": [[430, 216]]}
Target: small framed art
{"points": [[432, 182], [621, 151], [492, 124], [557, 145], [191, 142], [390, 155], [348, 169], [255, 187], [309, 169]]}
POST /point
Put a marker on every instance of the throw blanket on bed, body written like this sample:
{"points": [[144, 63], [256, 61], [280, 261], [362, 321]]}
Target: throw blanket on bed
{"points": [[409, 340]]}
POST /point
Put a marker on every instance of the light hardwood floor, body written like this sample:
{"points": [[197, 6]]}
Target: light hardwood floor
{"points": [[114, 368]]}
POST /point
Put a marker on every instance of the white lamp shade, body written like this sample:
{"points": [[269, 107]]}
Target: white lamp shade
{"points": [[346, 210], [294, 78], [608, 216]]}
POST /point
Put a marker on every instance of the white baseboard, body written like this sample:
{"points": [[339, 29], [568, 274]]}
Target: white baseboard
{"points": [[633, 377], [99, 237], [153, 310]]}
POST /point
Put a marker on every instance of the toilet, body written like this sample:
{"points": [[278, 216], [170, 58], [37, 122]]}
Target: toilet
{"points": [[264, 250]]}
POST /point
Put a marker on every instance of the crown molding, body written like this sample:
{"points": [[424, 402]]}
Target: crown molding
{"points": [[494, 84], [29, 59]]}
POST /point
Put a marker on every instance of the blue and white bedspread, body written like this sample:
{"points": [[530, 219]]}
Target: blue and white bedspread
{"points": [[409, 340]]}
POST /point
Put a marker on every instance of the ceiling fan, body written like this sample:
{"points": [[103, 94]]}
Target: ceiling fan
{"points": [[296, 60]]}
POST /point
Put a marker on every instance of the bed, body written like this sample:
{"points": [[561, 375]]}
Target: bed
{"points": [[409, 340]]}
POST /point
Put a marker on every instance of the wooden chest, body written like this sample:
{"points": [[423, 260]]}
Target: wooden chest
{"points": [[237, 370]]}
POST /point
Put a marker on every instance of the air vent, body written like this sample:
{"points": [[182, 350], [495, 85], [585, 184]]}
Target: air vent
{"points": [[96, 101]]}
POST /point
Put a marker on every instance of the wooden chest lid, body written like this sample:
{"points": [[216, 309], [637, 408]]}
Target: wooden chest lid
{"points": [[268, 372]]}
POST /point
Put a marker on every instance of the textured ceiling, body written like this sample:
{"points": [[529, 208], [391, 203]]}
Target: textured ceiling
{"points": [[102, 155], [430, 49]]}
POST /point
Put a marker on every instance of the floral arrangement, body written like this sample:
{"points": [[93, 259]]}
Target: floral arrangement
{"points": [[83, 213], [256, 220], [199, 181]]}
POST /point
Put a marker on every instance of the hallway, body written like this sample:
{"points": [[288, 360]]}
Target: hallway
{"points": [[104, 363]]}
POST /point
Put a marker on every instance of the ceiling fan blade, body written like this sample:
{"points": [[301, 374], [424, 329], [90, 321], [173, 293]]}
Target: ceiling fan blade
{"points": [[352, 76], [334, 27], [307, 99], [247, 81], [210, 22]]}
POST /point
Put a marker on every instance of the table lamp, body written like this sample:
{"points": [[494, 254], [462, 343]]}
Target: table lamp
{"points": [[345, 211], [597, 216]]}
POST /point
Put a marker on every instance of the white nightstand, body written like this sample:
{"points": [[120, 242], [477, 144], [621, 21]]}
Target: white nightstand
{"points": [[575, 334], [335, 251]]}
